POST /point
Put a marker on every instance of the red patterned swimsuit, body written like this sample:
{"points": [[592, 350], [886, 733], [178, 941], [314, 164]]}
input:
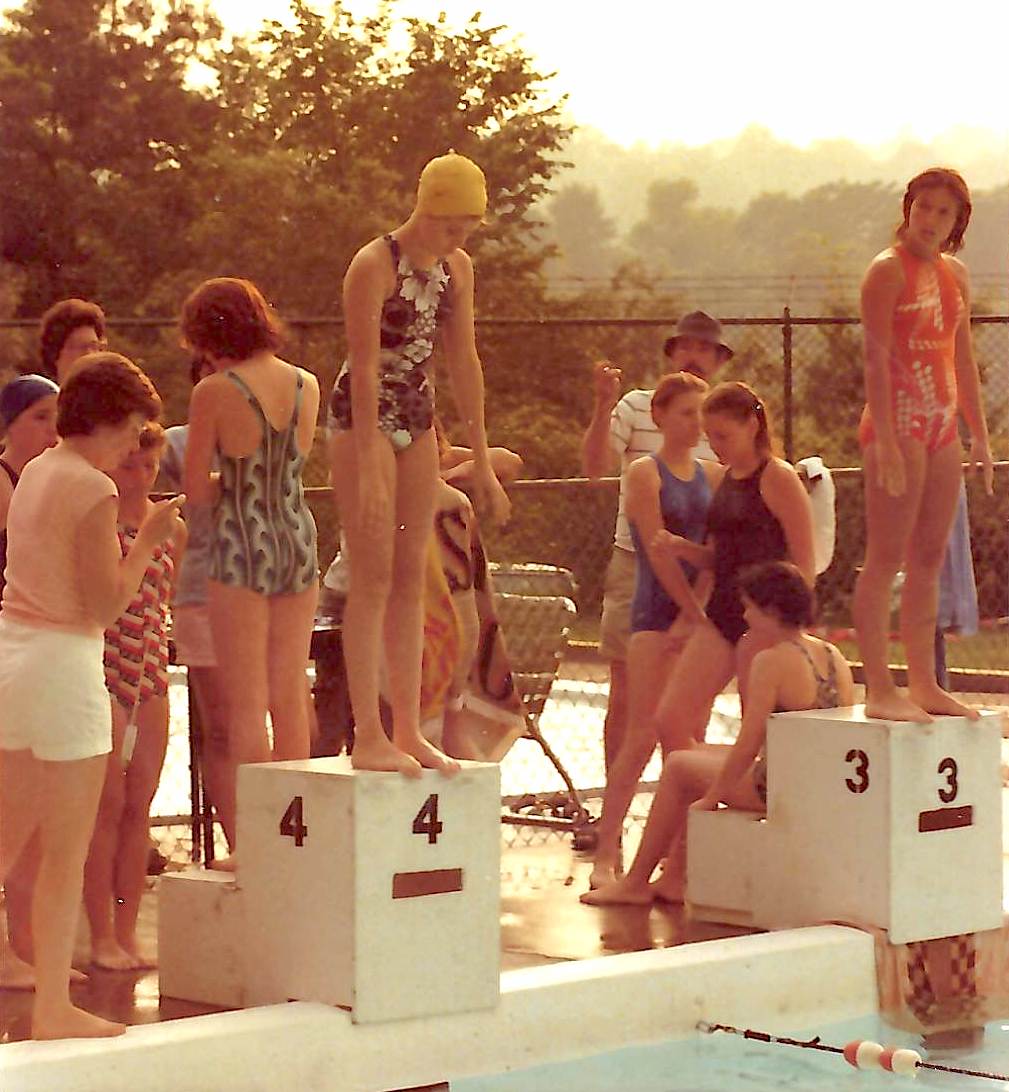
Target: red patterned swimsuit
{"points": [[136, 646], [923, 354]]}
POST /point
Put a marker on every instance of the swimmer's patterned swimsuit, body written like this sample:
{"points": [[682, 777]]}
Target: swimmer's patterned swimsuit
{"points": [[409, 323], [264, 537], [136, 646], [922, 355], [827, 696]]}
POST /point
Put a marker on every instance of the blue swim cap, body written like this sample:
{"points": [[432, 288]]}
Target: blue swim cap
{"points": [[22, 393]]}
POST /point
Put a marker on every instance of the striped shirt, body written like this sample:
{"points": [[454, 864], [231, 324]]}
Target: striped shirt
{"points": [[633, 433]]}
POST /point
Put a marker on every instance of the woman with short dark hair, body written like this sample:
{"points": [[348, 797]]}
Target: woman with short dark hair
{"points": [[69, 330], [67, 580]]}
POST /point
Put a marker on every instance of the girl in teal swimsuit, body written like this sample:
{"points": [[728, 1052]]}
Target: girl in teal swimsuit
{"points": [[403, 293], [256, 415]]}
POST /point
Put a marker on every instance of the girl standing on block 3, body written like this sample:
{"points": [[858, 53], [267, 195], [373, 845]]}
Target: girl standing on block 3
{"points": [[401, 293], [919, 372]]}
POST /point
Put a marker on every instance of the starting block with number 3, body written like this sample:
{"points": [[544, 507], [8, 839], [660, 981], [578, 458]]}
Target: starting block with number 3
{"points": [[370, 891], [871, 822]]}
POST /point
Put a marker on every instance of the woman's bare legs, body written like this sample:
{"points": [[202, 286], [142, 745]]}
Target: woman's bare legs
{"points": [[686, 777], [140, 783], [889, 523], [925, 552], [68, 804], [290, 639], [386, 599], [20, 789], [649, 660], [219, 771], [239, 619], [370, 561], [700, 673], [100, 867], [16, 971]]}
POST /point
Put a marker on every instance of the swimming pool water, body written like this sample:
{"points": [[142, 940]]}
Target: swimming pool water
{"points": [[724, 1063]]}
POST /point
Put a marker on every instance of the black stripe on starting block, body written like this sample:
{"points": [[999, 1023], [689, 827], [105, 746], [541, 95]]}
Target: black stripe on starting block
{"points": [[438, 881], [945, 819]]}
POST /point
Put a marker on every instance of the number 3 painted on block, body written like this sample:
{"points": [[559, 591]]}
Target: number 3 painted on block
{"points": [[861, 760], [948, 767]]}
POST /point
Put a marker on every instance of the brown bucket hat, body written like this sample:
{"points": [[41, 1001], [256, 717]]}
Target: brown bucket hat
{"points": [[701, 325]]}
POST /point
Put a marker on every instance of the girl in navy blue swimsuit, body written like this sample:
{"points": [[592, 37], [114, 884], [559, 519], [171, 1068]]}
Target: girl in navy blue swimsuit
{"points": [[403, 293], [670, 489]]}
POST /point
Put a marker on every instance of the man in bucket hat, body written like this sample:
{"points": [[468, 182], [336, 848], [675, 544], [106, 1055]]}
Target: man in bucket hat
{"points": [[621, 431]]}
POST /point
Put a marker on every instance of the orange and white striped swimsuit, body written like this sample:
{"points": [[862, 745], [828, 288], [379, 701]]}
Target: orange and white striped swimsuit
{"points": [[922, 354]]}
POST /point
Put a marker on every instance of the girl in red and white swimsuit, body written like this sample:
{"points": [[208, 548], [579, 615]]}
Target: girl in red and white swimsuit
{"points": [[136, 674], [920, 374]]}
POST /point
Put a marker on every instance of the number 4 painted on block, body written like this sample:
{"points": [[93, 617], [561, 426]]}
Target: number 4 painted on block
{"points": [[292, 825], [426, 820]]}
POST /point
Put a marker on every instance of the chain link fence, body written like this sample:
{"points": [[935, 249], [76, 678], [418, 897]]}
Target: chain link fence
{"points": [[807, 369]]}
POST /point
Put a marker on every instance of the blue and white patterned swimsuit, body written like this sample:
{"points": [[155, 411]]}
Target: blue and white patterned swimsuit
{"points": [[409, 323]]}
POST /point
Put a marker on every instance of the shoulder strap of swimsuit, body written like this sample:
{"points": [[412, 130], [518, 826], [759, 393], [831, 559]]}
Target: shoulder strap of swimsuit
{"points": [[11, 473], [394, 250], [249, 396], [296, 414], [809, 659]]}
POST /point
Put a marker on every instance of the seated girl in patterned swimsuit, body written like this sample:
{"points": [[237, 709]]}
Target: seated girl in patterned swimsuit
{"points": [[793, 671], [401, 292], [919, 373], [136, 673]]}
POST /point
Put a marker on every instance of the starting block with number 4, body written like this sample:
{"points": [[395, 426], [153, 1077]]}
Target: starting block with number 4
{"points": [[871, 822], [369, 891]]}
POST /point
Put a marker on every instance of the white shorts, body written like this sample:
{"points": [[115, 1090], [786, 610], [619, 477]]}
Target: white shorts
{"points": [[194, 642], [53, 699], [618, 595]]}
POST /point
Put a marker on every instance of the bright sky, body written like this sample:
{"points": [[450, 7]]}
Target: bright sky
{"points": [[698, 70]]}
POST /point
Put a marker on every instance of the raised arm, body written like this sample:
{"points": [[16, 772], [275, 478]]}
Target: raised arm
{"points": [[786, 496], [880, 289], [600, 454], [968, 384], [644, 511], [459, 340]]}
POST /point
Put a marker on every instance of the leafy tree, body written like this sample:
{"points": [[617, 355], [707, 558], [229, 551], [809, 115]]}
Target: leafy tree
{"points": [[97, 127]]}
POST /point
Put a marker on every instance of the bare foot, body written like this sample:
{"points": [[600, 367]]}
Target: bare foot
{"points": [[895, 706], [108, 956], [382, 754], [73, 1023], [429, 756], [224, 864], [940, 704], [15, 974], [668, 888], [142, 960], [621, 892], [602, 875]]}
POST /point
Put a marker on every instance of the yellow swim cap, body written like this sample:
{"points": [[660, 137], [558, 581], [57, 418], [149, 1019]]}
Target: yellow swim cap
{"points": [[452, 185]]}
